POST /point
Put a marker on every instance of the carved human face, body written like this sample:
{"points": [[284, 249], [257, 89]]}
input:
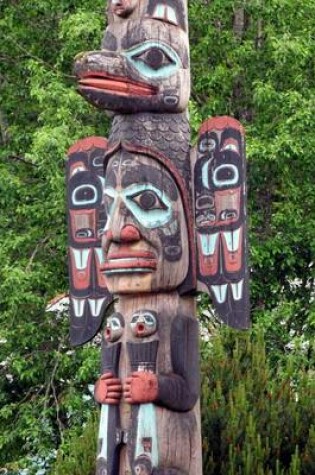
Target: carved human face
{"points": [[143, 323], [114, 327], [145, 242]]}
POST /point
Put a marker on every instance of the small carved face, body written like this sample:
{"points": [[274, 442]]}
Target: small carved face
{"points": [[145, 239], [143, 323], [114, 327]]}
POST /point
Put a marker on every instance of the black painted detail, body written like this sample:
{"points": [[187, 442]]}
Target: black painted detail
{"points": [[110, 358], [166, 133], [179, 390], [143, 355]]}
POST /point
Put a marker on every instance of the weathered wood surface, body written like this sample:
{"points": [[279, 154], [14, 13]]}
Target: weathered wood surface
{"points": [[165, 432], [164, 218]]}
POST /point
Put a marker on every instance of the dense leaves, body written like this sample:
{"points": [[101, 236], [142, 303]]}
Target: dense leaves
{"points": [[253, 60], [255, 419]]}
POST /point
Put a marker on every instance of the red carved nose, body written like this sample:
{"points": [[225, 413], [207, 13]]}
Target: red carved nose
{"points": [[129, 233]]}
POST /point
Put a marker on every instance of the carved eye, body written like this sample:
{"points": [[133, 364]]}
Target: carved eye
{"points": [[115, 324], [134, 318], [149, 320], [84, 233], [148, 200], [155, 58], [84, 195], [206, 144]]}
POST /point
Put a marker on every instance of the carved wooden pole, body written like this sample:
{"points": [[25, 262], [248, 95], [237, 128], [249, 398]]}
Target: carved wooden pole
{"points": [[150, 222]]}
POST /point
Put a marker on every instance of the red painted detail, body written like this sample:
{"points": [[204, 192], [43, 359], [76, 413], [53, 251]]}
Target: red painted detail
{"points": [[125, 253], [82, 220], [227, 200], [88, 143], [233, 144], [150, 264], [209, 265], [108, 389], [220, 123], [118, 84], [141, 387], [233, 260], [75, 166], [130, 233], [108, 334], [101, 280], [81, 278], [140, 328]]}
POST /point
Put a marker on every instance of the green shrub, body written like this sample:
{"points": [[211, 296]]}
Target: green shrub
{"points": [[77, 456], [255, 420]]}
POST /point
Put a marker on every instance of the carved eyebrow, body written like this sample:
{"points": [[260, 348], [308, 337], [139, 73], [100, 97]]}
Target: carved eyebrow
{"points": [[148, 174], [137, 34]]}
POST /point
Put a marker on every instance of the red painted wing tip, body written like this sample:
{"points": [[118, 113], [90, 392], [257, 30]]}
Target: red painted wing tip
{"points": [[87, 143], [220, 123]]}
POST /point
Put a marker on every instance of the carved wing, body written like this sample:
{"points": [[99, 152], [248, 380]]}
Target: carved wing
{"points": [[220, 218], [89, 296]]}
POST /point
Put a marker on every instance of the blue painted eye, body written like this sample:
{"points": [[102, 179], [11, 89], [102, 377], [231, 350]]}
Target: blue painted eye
{"points": [[148, 200], [154, 60]]}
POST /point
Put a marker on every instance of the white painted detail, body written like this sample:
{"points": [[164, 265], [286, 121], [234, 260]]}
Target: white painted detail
{"points": [[231, 181], [103, 430], [205, 174], [232, 239], [237, 290], [231, 146], [165, 12], [78, 307], [77, 201], [99, 254], [208, 243], [219, 292], [81, 257], [147, 427], [96, 306]]}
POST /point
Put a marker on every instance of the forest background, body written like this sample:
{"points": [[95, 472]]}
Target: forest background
{"points": [[252, 59]]}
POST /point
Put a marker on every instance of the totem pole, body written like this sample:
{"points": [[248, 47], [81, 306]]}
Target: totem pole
{"points": [[151, 221]]}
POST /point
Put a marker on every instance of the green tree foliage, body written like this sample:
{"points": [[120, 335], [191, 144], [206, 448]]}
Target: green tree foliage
{"points": [[255, 419], [251, 59], [79, 457]]}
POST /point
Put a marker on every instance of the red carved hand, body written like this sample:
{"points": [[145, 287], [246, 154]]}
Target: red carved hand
{"points": [[141, 387], [108, 389]]}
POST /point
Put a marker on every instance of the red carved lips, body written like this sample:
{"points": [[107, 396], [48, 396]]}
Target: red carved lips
{"points": [[140, 328], [128, 260], [118, 84]]}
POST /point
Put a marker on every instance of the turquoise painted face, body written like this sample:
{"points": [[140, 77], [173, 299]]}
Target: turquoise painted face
{"points": [[149, 205], [143, 242]]}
